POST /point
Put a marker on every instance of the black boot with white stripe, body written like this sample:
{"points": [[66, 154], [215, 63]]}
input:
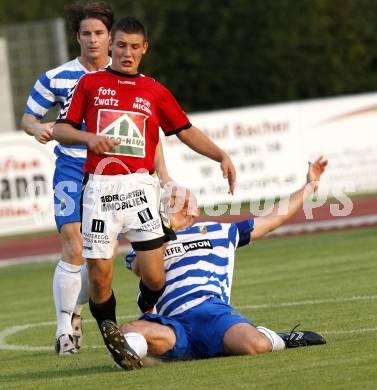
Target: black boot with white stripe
{"points": [[303, 338]]}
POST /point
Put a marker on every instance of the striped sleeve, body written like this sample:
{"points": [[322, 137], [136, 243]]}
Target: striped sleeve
{"points": [[74, 108], [244, 229], [41, 98]]}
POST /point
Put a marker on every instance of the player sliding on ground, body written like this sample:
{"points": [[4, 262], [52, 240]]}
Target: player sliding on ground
{"points": [[193, 317]]}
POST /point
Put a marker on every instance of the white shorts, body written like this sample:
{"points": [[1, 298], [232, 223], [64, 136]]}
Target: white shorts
{"points": [[116, 204]]}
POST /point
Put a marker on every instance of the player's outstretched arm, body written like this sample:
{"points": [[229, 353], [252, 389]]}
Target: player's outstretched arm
{"points": [[202, 144], [159, 162], [268, 223], [34, 127]]}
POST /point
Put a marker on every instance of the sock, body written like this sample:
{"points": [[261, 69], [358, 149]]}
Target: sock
{"points": [[147, 297], [138, 343], [277, 342], [103, 311], [66, 288], [84, 292]]}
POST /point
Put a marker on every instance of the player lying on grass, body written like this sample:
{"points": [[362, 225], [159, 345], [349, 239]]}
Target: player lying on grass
{"points": [[194, 318]]}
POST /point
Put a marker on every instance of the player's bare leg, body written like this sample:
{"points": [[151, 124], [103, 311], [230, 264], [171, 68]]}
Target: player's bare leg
{"points": [[152, 284], [102, 305], [100, 279], [160, 338], [245, 339]]}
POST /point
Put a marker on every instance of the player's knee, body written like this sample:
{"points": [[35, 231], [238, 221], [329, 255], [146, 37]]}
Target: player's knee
{"points": [[257, 345], [72, 251], [101, 280], [263, 345], [154, 282], [127, 327], [138, 326]]}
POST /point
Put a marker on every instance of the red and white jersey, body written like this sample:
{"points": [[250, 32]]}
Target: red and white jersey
{"points": [[130, 108]]}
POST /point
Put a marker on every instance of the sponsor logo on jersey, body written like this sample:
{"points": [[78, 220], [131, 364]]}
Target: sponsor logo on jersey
{"points": [[142, 105], [199, 244], [203, 229], [126, 126], [106, 97], [126, 82], [176, 250]]}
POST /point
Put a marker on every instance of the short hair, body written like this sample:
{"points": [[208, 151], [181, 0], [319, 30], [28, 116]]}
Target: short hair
{"points": [[129, 25], [76, 13]]}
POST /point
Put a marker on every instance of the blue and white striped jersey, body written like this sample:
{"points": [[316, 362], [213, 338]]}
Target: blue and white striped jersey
{"points": [[199, 264], [52, 88]]}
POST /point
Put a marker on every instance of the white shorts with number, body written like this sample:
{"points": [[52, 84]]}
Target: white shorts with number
{"points": [[120, 204]]}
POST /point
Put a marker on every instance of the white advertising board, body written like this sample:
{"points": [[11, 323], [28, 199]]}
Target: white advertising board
{"points": [[345, 131], [270, 147], [6, 104], [26, 171]]}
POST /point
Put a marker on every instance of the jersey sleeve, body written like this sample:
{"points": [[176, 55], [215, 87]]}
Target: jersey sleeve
{"points": [[41, 98], [74, 108], [244, 229], [171, 116]]}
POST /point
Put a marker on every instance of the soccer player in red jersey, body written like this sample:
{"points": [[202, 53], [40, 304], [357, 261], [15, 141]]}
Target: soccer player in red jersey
{"points": [[123, 111]]}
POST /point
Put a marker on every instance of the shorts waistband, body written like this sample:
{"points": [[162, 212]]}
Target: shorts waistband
{"points": [[119, 178]]}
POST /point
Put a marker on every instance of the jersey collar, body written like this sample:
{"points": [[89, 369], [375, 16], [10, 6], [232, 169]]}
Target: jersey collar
{"points": [[108, 69]]}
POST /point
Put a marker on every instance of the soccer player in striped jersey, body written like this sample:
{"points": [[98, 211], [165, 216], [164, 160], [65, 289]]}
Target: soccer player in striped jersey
{"points": [[91, 24], [193, 317]]}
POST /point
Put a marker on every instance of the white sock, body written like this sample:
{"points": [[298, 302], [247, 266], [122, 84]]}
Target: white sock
{"points": [[138, 343], [277, 342], [84, 292], [66, 288]]}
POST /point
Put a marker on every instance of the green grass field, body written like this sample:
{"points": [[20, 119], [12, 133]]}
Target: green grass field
{"points": [[325, 281]]}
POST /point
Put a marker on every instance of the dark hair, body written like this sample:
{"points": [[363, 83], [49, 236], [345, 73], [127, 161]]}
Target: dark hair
{"points": [[76, 13], [129, 25]]}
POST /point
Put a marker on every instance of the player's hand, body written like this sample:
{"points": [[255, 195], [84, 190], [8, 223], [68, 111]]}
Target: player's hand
{"points": [[181, 198], [229, 172], [181, 206], [99, 144], [315, 171], [43, 132]]}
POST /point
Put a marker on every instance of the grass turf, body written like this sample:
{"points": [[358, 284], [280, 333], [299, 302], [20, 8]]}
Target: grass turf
{"points": [[325, 281]]}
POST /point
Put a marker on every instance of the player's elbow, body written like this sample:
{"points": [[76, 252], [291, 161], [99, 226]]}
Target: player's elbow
{"points": [[25, 124], [185, 135], [265, 225]]}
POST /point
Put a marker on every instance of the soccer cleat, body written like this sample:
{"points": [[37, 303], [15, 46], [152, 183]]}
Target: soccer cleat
{"points": [[65, 345], [77, 330], [122, 354], [304, 338]]}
